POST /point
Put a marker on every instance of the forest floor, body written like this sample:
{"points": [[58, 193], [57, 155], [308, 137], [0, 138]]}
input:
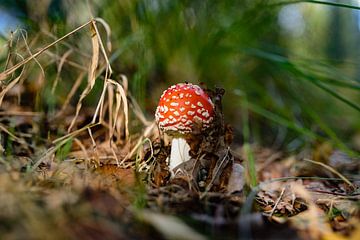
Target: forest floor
{"points": [[86, 187], [79, 172]]}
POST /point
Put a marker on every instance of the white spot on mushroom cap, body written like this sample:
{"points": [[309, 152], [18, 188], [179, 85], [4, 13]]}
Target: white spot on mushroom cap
{"points": [[188, 123], [179, 128], [205, 114], [174, 104], [198, 119], [160, 116], [200, 110], [191, 113], [165, 109], [173, 121]]}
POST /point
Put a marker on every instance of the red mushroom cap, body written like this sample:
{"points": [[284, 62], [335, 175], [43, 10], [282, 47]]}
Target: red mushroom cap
{"points": [[182, 107]]}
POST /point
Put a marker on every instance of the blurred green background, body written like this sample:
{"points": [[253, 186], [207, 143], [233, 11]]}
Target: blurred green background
{"points": [[293, 67]]}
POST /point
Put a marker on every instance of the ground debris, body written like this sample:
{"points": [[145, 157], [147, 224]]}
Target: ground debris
{"points": [[73, 171]]}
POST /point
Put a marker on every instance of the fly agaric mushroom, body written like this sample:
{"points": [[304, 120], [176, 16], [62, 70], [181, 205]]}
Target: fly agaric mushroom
{"points": [[184, 109]]}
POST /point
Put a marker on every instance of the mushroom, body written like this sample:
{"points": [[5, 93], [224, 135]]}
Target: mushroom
{"points": [[184, 109]]}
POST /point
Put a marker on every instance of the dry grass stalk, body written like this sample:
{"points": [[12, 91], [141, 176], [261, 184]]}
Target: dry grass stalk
{"points": [[333, 171], [112, 110], [69, 62], [91, 76], [94, 147], [12, 69], [66, 44], [10, 86], [20, 113], [82, 147], [59, 143], [72, 92], [17, 139], [121, 98], [59, 68], [147, 133]]}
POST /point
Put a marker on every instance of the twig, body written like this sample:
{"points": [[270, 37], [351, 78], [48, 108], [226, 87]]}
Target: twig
{"points": [[277, 201], [220, 166]]}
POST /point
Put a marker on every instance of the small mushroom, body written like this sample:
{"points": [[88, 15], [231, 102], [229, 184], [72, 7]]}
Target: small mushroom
{"points": [[184, 109]]}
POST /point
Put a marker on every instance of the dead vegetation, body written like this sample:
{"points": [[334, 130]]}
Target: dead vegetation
{"points": [[71, 169]]}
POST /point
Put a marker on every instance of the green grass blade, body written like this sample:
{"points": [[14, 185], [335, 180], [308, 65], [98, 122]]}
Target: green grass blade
{"points": [[291, 67], [281, 121], [335, 4], [250, 160], [339, 83], [327, 130], [325, 88]]}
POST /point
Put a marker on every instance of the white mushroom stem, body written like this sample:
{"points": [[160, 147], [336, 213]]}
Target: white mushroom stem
{"points": [[179, 152]]}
